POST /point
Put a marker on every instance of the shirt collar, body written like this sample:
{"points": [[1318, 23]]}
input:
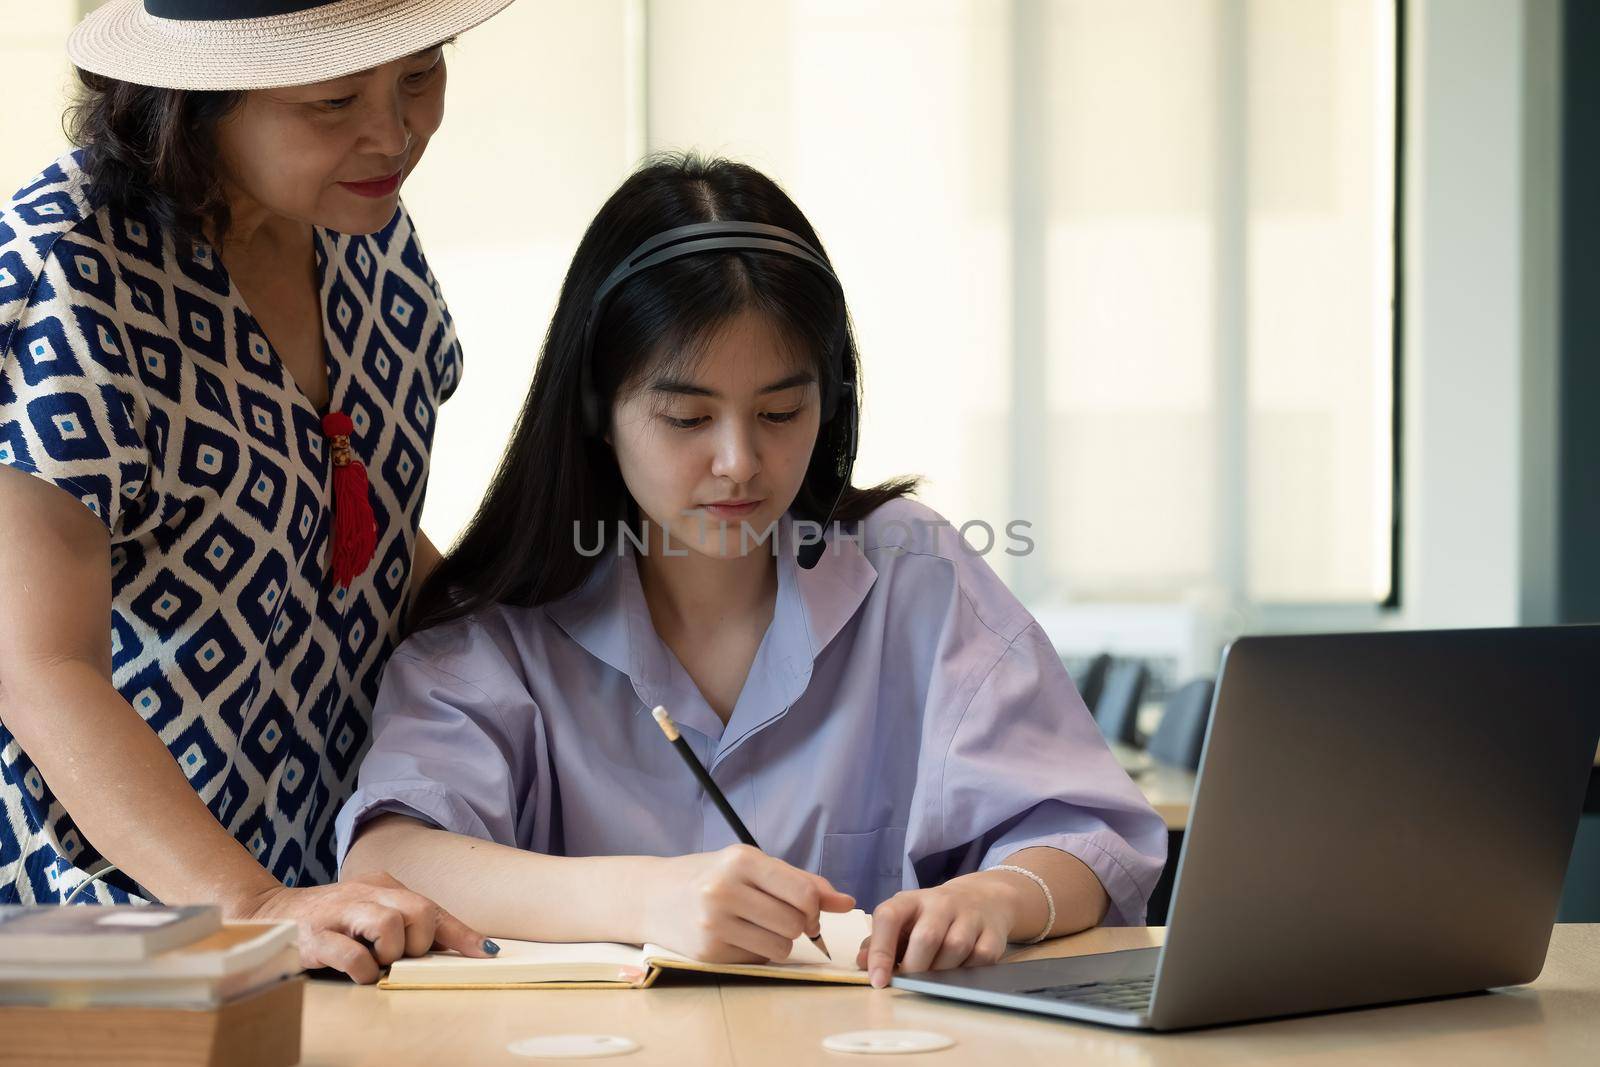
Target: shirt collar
{"points": [[609, 618]]}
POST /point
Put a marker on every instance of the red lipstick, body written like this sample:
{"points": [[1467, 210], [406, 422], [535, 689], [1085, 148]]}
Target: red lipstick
{"points": [[375, 189]]}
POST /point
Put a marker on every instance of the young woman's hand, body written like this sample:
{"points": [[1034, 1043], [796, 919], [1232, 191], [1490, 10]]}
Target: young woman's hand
{"points": [[964, 923], [361, 925], [737, 905]]}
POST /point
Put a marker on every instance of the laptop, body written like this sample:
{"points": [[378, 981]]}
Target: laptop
{"points": [[1378, 817]]}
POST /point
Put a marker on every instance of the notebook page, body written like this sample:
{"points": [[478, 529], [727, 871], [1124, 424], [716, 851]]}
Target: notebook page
{"points": [[524, 961]]}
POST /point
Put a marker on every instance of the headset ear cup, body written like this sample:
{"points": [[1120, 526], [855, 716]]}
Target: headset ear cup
{"points": [[840, 391], [852, 429]]}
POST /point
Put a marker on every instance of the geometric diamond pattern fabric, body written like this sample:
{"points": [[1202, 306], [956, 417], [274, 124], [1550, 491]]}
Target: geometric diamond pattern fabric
{"points": [[133, 376]]}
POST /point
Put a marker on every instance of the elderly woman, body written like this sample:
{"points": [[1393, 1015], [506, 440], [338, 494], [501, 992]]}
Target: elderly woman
{"points": [[221, 356]]}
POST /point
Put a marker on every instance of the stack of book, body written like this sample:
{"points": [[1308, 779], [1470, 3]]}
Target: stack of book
{"points": [[158, 985]]}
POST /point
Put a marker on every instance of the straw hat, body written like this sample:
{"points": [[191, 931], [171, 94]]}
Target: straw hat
{"points": [[261, 44]]}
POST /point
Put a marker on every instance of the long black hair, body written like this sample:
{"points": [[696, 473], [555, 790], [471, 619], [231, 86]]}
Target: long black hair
{"points": [[555, 478]]}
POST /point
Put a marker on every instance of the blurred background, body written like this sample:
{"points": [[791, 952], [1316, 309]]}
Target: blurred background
{"points": [[1265, 314]]}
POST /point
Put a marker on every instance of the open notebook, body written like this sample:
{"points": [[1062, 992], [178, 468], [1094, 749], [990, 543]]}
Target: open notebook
{"points": [[540, 965]]}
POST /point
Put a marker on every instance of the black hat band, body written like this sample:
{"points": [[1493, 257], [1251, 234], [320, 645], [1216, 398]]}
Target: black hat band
{"points": [[227, 10]]}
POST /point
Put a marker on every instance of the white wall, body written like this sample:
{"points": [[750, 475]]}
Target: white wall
{"points": [[30, 118], [1479, 411]]}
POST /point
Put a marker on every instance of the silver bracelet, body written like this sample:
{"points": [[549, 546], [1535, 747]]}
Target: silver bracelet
{"points": [[1049, 898]]}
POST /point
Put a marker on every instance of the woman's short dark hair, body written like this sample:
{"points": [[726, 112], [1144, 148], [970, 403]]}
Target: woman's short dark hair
{"points": [[153, 152], [555, 477]]}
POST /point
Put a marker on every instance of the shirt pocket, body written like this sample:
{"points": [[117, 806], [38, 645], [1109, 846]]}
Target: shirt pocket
{"points": [[868, 866]]}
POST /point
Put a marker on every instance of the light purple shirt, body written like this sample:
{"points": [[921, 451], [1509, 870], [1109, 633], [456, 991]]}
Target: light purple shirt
{"points": [[905, 720]]}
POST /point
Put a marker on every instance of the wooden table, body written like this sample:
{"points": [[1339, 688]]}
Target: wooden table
{"points": [[1170, 790], [691, 1020]]}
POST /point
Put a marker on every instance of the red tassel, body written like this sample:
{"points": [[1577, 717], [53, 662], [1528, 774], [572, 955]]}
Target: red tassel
{"points": [[355, 531]]}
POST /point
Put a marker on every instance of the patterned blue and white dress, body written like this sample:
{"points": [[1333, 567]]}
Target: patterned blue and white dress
{"points": [[136, 379]]}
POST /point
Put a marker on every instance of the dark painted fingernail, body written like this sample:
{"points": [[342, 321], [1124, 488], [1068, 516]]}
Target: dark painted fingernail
{"points": [[491, 948]]}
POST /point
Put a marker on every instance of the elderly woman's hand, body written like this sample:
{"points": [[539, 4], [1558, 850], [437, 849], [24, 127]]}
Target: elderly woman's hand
{"points": [[364, 924]]}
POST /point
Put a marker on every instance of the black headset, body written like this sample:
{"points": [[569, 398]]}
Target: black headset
{"points": [[840, 419]]}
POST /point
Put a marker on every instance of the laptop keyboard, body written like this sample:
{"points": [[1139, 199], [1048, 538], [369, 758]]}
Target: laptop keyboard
{"points": [[1126, 994]]}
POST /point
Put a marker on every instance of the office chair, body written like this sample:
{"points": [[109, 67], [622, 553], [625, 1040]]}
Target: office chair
{"points": [[1117, 710], [1178, 739], [1092, 680]]}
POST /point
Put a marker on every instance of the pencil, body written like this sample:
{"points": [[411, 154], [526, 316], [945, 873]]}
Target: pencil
{"points": [[670, 728]]}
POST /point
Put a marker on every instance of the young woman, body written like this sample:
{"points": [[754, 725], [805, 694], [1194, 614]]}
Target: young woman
{"points": [[189, 648], [892, 725]]}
